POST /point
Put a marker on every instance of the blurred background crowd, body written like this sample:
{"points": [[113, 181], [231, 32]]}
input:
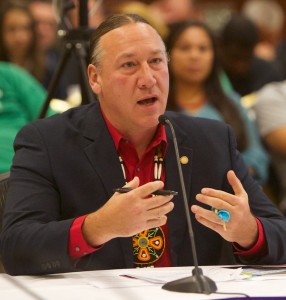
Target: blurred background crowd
{"points": [[227, 62]]}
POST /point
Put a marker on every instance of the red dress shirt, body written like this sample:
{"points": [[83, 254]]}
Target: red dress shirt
{"points": [[144, 169]]}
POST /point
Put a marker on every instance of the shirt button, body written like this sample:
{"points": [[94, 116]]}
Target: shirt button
{"points": [[138, 170], [77, 249]]}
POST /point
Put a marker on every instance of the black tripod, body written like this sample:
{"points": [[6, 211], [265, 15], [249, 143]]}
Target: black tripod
{"points": [[76, 41]]}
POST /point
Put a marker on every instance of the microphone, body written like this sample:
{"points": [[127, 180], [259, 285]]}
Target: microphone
{"points": [[197, 283]]}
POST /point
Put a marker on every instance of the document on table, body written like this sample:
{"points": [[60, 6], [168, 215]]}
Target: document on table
{"points": [[144, 277], [264, 270], [160, 276]]}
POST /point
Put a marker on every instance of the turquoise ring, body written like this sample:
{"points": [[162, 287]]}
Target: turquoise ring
{"points": [[223, 214]]}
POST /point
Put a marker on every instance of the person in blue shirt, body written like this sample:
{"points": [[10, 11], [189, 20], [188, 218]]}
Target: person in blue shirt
{"points": [[196, 89]]}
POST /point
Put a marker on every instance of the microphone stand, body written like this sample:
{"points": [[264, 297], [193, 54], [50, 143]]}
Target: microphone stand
{"points": [[197, 283]]}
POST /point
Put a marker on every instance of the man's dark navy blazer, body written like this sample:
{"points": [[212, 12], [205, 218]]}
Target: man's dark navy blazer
{"points": [[67, 166]]}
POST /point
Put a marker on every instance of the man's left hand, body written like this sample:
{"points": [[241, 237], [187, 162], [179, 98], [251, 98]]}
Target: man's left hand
{"points": [[242, 227]]}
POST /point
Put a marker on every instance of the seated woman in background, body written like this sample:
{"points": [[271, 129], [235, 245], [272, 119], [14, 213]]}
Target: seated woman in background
{"points": [[195, 89], [18, 41]]}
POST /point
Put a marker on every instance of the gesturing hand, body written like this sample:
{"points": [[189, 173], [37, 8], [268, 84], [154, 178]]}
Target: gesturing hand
{"points": [[242, 227], [127, 214]]}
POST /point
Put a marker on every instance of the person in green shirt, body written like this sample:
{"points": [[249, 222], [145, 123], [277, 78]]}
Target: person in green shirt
{"points": [[21, 100]]}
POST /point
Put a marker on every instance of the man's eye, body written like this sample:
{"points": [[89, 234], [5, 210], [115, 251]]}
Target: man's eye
{"points": [[128, 65], [156, 60]]}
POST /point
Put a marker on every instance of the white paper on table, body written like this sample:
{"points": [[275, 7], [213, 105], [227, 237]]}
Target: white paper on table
{"points": [[264, 270], [144, 277]]}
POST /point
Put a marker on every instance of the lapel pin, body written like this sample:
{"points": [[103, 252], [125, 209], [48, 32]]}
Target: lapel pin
{"points": [[184, 160]]}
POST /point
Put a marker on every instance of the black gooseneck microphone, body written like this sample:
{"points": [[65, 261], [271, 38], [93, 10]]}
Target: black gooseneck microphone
{"points": [[197, 283]]}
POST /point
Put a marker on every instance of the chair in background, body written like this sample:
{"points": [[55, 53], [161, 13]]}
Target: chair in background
{"points": [[3, 192]]}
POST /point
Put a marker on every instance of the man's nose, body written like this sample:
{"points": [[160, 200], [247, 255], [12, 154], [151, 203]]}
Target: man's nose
{"points": [[146, 78]]}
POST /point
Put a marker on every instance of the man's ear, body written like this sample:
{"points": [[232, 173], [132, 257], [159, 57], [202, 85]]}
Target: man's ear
{"points": [[93, 75]]}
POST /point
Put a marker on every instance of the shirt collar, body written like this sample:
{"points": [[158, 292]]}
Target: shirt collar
{"points": [[159, 138]]}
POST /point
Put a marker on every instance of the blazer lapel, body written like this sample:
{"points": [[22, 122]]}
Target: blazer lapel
{"points": [[103, 157], [101, 152]]}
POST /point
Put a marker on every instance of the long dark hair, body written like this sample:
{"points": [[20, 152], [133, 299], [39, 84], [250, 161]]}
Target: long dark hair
{"points": [[34, 62], [212, 86]]}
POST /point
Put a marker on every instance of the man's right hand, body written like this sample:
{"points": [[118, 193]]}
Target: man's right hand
{"points": [[127, 214]]}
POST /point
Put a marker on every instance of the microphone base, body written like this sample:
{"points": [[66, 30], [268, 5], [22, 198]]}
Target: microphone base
{"points": [[198, 283]]}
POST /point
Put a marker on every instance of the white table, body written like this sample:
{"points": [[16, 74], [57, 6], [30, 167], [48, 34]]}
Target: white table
{"points": [[110, 285]]}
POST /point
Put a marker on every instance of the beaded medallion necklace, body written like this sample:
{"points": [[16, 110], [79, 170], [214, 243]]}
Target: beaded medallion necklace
{"points": [[148, 245]]}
